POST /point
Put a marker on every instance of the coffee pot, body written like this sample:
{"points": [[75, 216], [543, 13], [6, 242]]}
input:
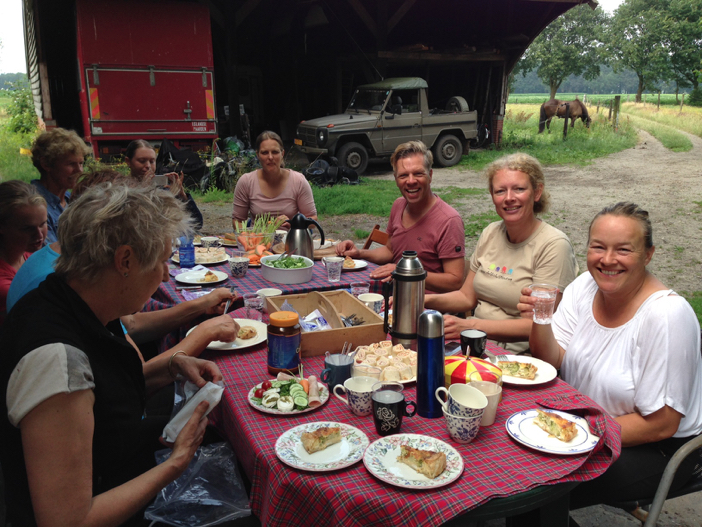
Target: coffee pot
{"points": [[299, 239], [407, 299]]}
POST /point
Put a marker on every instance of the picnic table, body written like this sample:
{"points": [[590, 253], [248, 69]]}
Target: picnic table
{"points": [[501, 477]]}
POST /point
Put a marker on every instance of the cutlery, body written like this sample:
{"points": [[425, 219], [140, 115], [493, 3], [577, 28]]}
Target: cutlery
{"points": [[232, 290], [188, 287], [495, 358]]}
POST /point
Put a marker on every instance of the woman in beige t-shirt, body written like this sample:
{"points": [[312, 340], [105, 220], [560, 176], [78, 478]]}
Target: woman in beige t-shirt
{"points": [[512, 253], [272, 189]]}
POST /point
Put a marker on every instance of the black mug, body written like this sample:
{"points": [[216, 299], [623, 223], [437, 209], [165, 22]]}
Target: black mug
{"points": [[473, 342], [337, 368], [389, 406]]}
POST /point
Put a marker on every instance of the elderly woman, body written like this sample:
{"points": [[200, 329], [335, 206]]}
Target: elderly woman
{"points": [[272, 189], [627, 341], [58, 155], [22, 231], [143, 327], [76, 443], [140, 157], [512, 253]]}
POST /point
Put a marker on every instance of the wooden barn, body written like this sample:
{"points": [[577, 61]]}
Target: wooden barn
{"points": [[289, 60]]}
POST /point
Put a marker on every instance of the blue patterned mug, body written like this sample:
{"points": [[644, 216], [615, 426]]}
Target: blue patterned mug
{"points": [[358, 394], [462, 400], [462, 429]]}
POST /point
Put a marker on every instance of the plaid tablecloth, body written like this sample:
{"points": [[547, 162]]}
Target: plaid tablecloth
{"points": [[496, 465]]}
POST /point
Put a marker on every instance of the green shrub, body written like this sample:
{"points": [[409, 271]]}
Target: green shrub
{"points": [[22, 117], [695, 98]]}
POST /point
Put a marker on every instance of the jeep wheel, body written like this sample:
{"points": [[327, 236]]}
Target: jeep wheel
{"points": [[353, 156], [448, 151]]}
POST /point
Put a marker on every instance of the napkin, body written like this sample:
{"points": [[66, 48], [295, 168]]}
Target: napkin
{"points": [[601, 423], [212, 393], [177, 271]]}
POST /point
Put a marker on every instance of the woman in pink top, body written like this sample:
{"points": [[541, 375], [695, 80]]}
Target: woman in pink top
{"points": [[23, 229], [272, 189]]}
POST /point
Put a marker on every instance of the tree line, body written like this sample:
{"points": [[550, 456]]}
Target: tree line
{"points": [[654, 45]]}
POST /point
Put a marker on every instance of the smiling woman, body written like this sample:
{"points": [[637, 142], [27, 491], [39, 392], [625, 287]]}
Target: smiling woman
{"points": [[22, 231]]}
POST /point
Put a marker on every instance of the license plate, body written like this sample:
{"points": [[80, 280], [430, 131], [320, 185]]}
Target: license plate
{"points": [[298, 142]]}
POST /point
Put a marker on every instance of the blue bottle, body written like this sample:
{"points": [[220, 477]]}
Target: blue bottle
{"points": [[186, 252], [430, 363]]}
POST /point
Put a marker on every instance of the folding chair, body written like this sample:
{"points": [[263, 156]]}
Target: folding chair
{"points": [[376, 236]]}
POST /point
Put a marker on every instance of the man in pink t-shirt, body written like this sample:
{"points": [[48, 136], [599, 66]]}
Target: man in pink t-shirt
{"points": [[419, 221]]}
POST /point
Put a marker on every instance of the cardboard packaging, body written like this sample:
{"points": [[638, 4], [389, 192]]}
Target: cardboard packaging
{"points": [[332, 304]]}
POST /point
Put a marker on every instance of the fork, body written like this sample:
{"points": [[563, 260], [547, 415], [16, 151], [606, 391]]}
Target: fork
{"points": [[232, 290], [496, 358]]}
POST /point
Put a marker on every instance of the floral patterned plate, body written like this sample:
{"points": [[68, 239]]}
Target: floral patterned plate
{"points": [[521, 427], [348, 451], [381, 456]]}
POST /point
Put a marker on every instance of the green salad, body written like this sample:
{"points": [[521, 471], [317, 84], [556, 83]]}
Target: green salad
{"points": [[290, 262]]}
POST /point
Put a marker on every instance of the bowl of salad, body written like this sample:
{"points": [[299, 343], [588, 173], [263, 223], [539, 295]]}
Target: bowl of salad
{"points": [[287, 270]]}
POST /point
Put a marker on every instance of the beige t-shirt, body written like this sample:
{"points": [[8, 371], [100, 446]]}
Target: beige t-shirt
{"points": [[502, 269]]}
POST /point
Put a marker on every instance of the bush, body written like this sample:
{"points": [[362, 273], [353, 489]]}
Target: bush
{"points": [[695, 98], [22, 119]]}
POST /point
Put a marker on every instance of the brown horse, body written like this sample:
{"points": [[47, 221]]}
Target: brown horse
{"points": [[557, 108]]}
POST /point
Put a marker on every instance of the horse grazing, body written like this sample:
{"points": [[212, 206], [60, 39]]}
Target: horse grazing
{"points": [[557, 108]]}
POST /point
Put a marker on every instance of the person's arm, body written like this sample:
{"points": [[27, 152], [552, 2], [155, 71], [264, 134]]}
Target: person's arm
{"points": [[162, 370], [542, 342], [305, 199], [450, 279], [510, 330], [57, 440], [242, 198], [379, 255], [638, 429], [152, 325], [463, 299]]}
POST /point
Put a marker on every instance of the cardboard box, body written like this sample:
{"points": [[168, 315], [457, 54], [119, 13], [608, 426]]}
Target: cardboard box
{"points": [[332, 304]]}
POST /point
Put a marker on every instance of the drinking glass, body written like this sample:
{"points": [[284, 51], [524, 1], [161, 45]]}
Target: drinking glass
{"points": [[545, 295], [358, 288], [253, 303], [334, 265]]}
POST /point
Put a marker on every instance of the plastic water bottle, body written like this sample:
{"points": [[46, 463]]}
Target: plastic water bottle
{"points": [[430, 363], [186, 252]]}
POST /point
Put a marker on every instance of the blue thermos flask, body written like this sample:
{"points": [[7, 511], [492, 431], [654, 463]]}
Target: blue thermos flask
{"points": [[430, 363]]}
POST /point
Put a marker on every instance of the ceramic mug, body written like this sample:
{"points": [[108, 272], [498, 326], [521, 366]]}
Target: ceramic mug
{"points": [[462, 400], [372, 300], [462, 429], [358, 394], [337, 368]]}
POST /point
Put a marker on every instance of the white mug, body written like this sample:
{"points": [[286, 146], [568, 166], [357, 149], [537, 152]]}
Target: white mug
{"points": [[372, 300]]}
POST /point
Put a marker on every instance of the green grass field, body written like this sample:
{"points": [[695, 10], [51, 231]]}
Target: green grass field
{"points": [[667, 99]]}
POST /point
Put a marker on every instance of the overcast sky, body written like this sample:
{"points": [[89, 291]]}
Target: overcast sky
{"points": [[12, 36]]}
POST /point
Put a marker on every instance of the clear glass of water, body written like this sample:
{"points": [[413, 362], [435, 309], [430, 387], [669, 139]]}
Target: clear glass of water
{"points": [[334, 265], [358, 288], [253, 302], [545, 295]]}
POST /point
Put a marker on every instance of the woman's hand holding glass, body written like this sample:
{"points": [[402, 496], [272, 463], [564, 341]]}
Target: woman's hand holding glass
{"points": [[526, 304]]}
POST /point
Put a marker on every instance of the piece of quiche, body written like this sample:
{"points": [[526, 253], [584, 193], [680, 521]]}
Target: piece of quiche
{"points": [[320, 438], [556, 426], [523, 370], [426, 462]]}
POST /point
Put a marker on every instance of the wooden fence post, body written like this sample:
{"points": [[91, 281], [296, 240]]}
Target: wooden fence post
{"points": [[565, 126], [659, 100], [681, 102], [617, 106]]}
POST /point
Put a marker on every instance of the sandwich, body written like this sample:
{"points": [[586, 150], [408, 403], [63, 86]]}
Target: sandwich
{"points": [[555, 425], [320, 438], [426, 462], [523, 370]]}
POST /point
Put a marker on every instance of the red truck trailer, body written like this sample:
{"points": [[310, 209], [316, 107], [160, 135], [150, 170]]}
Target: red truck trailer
{"points": [[145, 71]]}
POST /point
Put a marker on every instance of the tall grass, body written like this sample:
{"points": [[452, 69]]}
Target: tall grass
{"points": [[12, 164], [689, 120], [671, 138], [667, 99], [520, 133]]}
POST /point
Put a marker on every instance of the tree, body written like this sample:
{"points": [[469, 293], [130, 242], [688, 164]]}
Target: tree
{"points": [[571, 45], [683, 38], [636, 41]]}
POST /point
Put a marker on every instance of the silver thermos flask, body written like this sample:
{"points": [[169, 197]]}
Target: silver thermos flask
{"points": [[430, 363], [407, 299]]}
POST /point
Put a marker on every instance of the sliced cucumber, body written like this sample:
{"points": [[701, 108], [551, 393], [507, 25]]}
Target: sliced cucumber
{"points": [[300, 400]]}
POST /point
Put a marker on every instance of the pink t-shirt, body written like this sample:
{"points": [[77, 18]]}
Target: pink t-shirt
{"points": [[438, 235], [7, 273], [249, 201]]}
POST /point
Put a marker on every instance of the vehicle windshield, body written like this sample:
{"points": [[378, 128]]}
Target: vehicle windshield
{"points": [[368, 100]]}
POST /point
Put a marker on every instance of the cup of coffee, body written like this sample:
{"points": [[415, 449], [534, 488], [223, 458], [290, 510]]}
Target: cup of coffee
{"points": [[372, 300], [337, 369], [462, 429], [473, 342], [462, 400], [389, 406], [358, 394]]}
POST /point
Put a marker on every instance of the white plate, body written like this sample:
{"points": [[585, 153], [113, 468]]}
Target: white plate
{"points": [[261, 336], [327, 244], [360, 264], [195, 277], [380, 459], [175, 258], [522, 428], [545, 372], [348, 451], [323, 397]]}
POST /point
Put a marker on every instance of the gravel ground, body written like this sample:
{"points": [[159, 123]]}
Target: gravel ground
{"points": [[665, 183]]}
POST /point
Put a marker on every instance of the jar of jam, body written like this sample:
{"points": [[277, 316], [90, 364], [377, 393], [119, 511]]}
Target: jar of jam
{"points": [[283, 343]]}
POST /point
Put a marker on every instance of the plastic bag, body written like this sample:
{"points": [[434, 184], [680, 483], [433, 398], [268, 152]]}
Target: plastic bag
{"points": [[209, 492]]}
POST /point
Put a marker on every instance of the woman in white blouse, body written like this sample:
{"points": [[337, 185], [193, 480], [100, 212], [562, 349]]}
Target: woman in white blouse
{"points": [[624, 339]]}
